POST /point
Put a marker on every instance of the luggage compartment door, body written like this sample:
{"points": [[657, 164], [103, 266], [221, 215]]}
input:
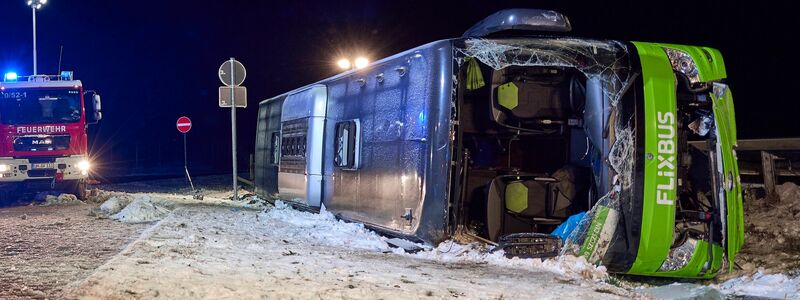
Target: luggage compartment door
{"points": [[301, 178]]}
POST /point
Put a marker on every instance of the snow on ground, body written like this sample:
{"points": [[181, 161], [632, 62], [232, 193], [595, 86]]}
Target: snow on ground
{"points": [[115, 204], [63, 199], [213, 236], [780, 286], [229, 252], [153, 200], [568, 265], [324, 228], [44, 248], [141, 210]]}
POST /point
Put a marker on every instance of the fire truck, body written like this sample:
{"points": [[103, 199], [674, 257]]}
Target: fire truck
{"points": [[43, 134]]}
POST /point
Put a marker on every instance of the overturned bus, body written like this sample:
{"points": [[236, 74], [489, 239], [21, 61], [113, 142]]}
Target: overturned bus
{"points": [[516, 131]]}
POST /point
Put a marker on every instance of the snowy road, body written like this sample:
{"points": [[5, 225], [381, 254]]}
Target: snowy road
{"points": [[216, 252]]}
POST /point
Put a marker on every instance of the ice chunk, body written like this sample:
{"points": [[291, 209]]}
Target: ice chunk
{"points": [[115, 204], [762, 285], [680, 291], [143, 209]]}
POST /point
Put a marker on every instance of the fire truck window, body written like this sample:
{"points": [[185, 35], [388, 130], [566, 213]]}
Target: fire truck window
{"points": [[346, 144], [37, 106]]}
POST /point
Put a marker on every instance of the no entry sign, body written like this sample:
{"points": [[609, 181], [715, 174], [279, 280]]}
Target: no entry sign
{"points": [[184, 124]]}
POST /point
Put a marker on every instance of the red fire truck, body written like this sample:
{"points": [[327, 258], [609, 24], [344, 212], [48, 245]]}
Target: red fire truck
{"points": [[43, 140]]}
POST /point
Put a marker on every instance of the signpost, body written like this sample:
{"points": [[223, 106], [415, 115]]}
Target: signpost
{"points": [[232, 74], [184, 124]]}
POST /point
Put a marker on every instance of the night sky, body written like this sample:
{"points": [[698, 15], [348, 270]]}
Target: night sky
{"points": [[153, 61]]}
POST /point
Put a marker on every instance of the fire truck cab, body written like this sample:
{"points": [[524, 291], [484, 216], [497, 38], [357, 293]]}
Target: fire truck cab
{"points": [[43, 134]]}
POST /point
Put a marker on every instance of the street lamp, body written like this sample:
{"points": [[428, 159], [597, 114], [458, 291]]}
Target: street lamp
{"points": [[35, 4]]}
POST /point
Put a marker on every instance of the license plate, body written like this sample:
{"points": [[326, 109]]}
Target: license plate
{"points": [[44, 166]]}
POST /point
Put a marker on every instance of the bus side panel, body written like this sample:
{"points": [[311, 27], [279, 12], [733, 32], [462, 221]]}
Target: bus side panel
{"points": [[393, 103]]}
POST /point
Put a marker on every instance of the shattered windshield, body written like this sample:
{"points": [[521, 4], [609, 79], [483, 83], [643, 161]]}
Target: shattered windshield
{"points": [[605, 60], [40, 106]]}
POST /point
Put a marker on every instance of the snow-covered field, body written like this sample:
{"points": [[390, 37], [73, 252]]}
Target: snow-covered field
{"points": [[202, 251], [215, 247]]}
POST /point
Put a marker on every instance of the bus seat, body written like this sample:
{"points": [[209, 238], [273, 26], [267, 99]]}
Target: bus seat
{"points": [[531, 104], [529, 197], [539, 199]]}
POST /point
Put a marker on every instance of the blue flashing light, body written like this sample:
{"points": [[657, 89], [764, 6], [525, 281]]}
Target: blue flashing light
{"points": [[67, 75], [10, 76]]}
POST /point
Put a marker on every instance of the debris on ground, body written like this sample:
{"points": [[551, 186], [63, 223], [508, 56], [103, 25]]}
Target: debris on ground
{"points": [[772, 233], [254, 201], [61, 200], [144, 208]]}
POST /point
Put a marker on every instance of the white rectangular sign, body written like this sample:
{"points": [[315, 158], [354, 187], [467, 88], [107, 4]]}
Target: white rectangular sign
{"points": [[225, 96]]}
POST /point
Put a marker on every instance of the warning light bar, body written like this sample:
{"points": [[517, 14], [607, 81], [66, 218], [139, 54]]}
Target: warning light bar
{"points": [[10, 77], [64, 76]]}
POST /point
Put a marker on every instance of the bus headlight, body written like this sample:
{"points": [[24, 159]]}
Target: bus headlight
{"points": [[84, 166], [683, 63], [4, 168]]}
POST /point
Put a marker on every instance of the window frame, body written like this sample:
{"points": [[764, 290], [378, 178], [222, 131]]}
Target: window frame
{"points": [[355, 149]]}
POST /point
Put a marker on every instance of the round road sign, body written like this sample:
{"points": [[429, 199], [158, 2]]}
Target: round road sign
{"points": [[239, 73], [184, 124]]}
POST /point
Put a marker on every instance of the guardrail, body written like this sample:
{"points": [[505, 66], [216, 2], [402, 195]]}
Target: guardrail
{"points": [[771, 152]]}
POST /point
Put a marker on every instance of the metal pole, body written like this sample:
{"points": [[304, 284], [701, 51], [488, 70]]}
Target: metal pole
{"points": [[233, 130], [186, 163], [34, 41]]}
